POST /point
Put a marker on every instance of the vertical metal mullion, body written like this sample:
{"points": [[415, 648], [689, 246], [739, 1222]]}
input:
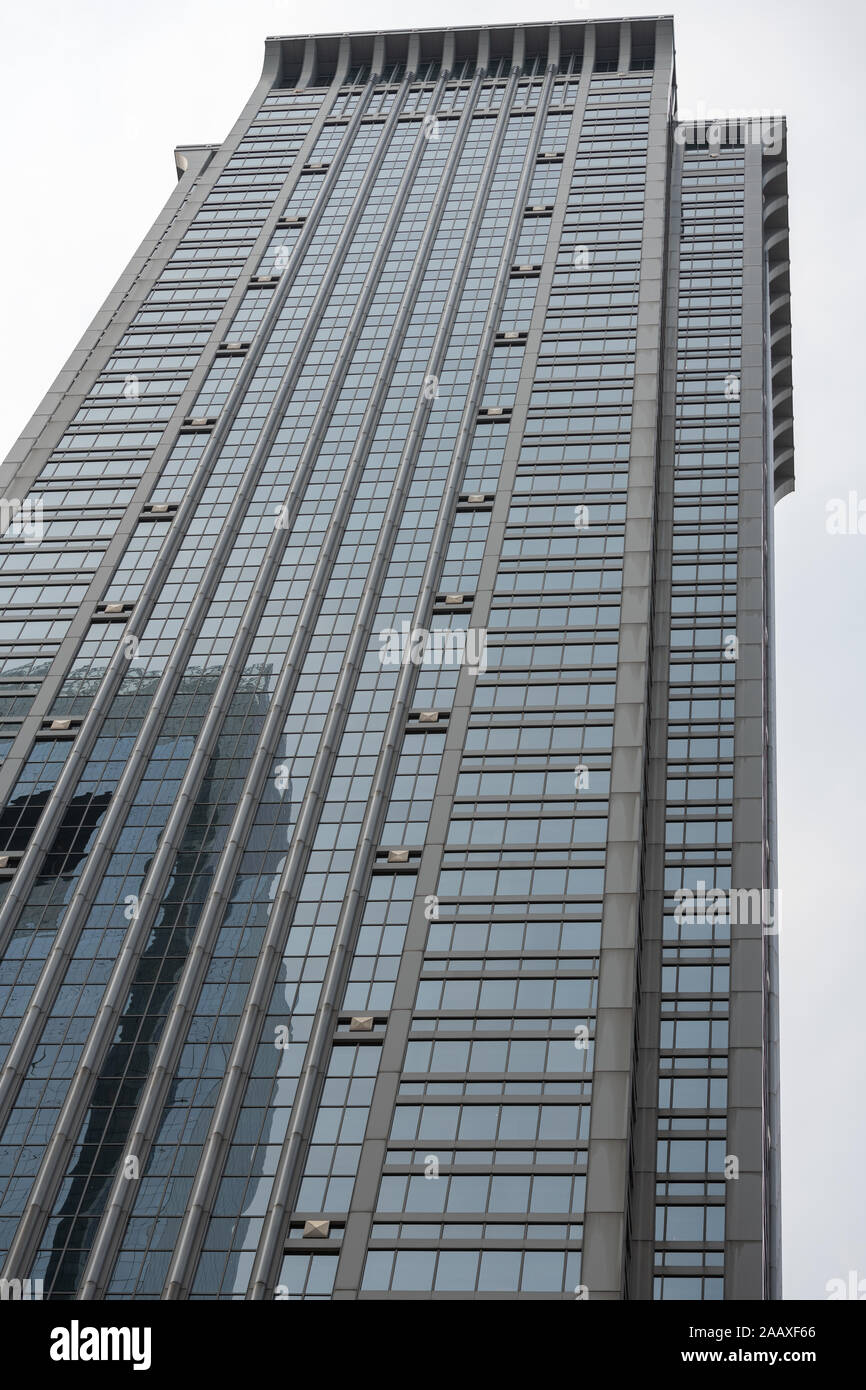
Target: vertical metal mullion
{"points": [[603, 1266], [745, 1271], [771, 1024], [643, 1167], [288, 1173], [771, 944]]}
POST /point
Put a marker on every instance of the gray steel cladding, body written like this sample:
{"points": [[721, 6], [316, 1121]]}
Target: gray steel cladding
{"points": [[387, 592]]}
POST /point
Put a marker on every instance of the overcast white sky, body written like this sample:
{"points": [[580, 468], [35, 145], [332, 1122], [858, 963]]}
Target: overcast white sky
{"points": [[94, 96]]}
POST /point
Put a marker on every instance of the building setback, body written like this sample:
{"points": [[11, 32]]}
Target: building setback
{"points": [[388, 858]]}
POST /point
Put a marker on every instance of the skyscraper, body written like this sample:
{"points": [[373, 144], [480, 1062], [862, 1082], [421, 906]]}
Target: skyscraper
{"points": [[388, 835]]}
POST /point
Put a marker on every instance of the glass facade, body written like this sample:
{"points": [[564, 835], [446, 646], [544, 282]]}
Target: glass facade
{"points": [[384, 606]]}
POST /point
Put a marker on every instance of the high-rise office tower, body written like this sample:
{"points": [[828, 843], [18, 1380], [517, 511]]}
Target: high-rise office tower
{"points": [[388, 856]]}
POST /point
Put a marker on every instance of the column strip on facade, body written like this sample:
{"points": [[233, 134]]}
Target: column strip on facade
{"points": [[605, 1222]]}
